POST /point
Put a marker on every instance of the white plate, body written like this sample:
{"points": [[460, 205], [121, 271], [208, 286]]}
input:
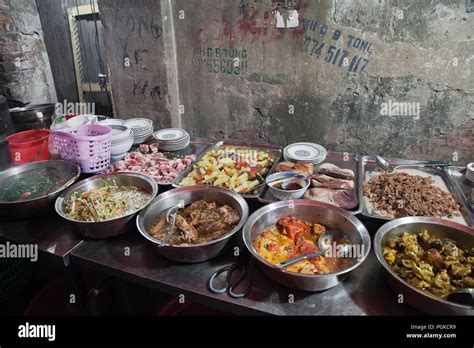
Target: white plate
{"points": [[139, 123], [141, 129], [305, 152], [141, 135], [170, 134], [175, 143], [112, 121]]}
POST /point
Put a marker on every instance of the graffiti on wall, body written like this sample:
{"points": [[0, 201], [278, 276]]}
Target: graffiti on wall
{"points": [[230, 61], [140, 27], [343, 51], [257, 23]]}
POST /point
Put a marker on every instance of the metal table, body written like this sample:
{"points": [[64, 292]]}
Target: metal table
{"points": [[130, 258], [51, 234]]}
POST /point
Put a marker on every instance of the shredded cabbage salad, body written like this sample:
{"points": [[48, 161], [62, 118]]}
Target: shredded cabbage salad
{"points": [[105, 203]]}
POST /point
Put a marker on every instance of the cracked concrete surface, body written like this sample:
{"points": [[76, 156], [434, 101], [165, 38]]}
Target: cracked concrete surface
{"points": [[422, 52]]}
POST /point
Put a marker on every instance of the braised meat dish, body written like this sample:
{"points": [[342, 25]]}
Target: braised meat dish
{"points": [[434, 265], [199, 222]]}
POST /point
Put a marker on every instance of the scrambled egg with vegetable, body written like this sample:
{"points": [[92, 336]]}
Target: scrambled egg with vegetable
{"points": [[292, 237], [431, 264], [237, 168]]}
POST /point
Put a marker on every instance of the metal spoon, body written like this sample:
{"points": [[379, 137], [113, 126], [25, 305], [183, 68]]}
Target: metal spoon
{"points": [[325, 241], [385, 165], [171, 214], [283, 181], [462, 296]]}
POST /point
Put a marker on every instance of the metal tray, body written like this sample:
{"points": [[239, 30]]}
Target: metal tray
{"points": [[462, 185], [369, 164], [196, 147], [274, 150], [345, 160]]}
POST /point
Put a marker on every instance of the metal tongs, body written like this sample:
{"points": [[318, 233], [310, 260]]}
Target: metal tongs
{"points": [[90, 204], [171, 220], [385, 165]]}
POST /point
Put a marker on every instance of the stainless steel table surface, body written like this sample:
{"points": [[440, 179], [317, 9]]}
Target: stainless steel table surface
{"points": [[50, 233], [131, 258]]}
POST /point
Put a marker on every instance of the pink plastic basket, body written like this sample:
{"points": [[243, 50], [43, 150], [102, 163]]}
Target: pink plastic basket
{"points": [[88, 146]]}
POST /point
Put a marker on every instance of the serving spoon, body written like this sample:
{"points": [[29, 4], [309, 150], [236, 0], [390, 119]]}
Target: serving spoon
{"points": [[462, 296], [171, 215], [325, 241]]}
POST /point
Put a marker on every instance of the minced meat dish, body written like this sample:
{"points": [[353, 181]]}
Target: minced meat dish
{"points": [[400, 194]]}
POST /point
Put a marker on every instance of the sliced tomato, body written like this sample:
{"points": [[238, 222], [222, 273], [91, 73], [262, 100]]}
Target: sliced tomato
{"points": [[292, 230], [299, 235], [308, 248]]}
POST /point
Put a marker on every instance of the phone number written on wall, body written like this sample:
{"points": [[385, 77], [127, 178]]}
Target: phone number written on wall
{"points": [[230, 61]]}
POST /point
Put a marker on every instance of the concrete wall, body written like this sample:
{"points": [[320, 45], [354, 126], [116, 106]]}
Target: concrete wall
{"points": [[25, 72], [134, 42], [328, 81]]}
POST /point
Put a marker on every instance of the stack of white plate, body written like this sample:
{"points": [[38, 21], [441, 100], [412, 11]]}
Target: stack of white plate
{"points": [[470, 172], [142, 129], [172, 139], [305, 153], [121, 143], [112, 121]]}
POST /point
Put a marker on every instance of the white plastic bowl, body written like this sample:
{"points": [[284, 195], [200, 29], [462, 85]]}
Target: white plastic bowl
{"points": [[120, 133], [121, 147]]}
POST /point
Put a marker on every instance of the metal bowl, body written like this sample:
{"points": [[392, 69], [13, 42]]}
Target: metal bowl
{"points": [[196, 252], [462, 235], [112, 227], [40, 205], [315, 212]]}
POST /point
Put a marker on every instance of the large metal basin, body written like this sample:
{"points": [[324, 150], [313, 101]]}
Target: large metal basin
{"points": [[113, 227], [462, 235], [196, 252], [314, 212], [42, 205]]}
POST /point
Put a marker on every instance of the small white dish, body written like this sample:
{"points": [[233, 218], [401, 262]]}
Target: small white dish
{"points": [[285, 195]]}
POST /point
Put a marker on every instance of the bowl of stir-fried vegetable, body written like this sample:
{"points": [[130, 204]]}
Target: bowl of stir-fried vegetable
{"points": [[103, 205], [426, 259]]}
